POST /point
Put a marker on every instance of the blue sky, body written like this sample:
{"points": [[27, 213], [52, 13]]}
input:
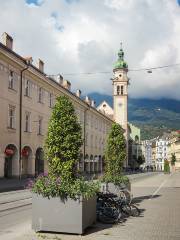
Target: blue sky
{"points": [[36, 2], [32, 1]]}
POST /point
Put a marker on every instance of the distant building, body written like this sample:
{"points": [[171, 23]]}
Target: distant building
{"points": [[148, 154], [174, 147], [161, 152], [134, 146]]}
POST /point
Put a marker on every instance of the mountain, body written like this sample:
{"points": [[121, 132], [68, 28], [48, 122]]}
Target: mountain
{"points": [[152, 116]]}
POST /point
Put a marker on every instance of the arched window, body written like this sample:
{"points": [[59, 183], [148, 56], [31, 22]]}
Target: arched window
{"points": [[121, 90], [118, 90]]}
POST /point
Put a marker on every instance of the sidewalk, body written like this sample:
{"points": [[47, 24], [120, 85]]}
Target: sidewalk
{"points": [[12, 184]]}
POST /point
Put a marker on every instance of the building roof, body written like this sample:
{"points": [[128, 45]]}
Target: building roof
{"points": [[23, 60]]}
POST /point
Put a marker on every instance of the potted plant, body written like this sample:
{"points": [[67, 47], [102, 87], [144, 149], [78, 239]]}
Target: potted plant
{"points": [[115, 155], [62, 201]]}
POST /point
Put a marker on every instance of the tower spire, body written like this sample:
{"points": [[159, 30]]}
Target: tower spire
{"points": [[120, 62]]}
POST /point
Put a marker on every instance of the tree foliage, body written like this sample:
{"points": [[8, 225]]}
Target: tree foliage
{"points": [[63, 139], [166, 166], [62, 149], [173, 159], [115, 154]]}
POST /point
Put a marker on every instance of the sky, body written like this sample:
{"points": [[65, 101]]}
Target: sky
{"points": [[77, 36]]}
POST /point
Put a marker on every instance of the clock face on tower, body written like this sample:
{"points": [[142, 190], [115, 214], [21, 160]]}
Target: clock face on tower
{"points": [[120, 104]]}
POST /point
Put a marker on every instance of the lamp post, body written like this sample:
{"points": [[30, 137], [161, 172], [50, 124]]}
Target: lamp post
{"points": [[20, 118]]}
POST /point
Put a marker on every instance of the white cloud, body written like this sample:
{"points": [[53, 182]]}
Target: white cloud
{"points": [[84, 36]]}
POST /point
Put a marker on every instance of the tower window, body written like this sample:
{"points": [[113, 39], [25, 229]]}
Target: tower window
{"points": [[121, 90], [118, 90]]}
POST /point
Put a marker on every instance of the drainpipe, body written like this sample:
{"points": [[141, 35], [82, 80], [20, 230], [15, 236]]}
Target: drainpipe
{"points": [[84, 145], [20, 120]]}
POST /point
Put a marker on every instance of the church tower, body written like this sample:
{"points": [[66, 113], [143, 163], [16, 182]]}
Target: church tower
{"points": [[120, 92], [120, 88]]}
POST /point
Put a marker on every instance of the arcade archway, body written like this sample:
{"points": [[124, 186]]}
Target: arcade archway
{"points": [[11, 157], [39, 161], [26, 161]]}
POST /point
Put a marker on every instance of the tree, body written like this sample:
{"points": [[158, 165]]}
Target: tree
{"points": [[62, 150], [166, 166], [173, 159], [63, 139], [115, 153]]}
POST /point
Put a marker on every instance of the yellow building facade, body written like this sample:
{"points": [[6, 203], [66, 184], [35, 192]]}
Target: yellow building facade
{"points": [[174, 148], [21, 152]]}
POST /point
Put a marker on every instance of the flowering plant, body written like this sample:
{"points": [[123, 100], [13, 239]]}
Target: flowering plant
{"points": [[49, 186], [62, 147]]}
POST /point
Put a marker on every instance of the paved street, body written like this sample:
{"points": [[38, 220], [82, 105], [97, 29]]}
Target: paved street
{"points": [[157, 196]]}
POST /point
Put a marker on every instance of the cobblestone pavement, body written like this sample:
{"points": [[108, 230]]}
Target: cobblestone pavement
{"points": [[158, 197]]}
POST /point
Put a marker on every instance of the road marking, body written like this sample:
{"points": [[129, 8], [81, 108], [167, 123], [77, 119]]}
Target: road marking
{"points": [[159, 188]]}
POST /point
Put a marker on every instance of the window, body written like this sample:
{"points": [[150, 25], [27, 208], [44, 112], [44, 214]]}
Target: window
{"points": [[40, 125], [40, 95], [86, 140], [100, 143], [96, 142], [92, 121], [121, 90], [27, 88], [50, 100], [27, 122], [96, 123], [11, 80], [11, 117], [118, 90], [91, 140]]}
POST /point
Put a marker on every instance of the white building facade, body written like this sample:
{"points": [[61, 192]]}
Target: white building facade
{"points": [[161, 152], [147, 151]]}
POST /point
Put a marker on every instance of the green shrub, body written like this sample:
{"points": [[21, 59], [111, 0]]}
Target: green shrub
{"points": [[62, 150], [117, 180], [173, 159], [115, 155], [166, 167]]}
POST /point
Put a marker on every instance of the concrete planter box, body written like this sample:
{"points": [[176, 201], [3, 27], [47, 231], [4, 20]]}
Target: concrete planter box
{"points": [[67, 216]]}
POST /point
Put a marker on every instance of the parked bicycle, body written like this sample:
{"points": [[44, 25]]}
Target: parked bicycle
{"points": [[111, 208]]}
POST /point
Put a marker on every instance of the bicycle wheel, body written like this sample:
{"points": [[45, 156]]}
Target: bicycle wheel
{"points": [[108, 215], [135, 212], [126, 210]]}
